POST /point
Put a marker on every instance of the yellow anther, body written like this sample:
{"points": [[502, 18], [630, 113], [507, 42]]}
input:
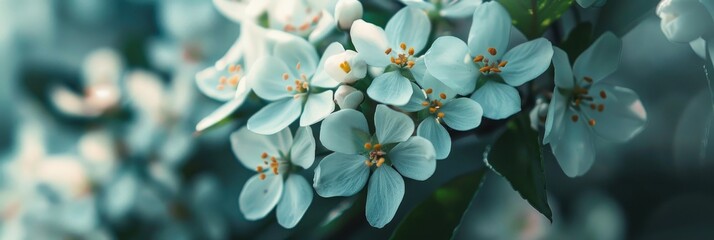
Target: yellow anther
{"points": [[289, 28], [411, 51], [432, 110], [275, 171], [345, 67], [368, 146], [495, 69], [264, 155], [234, 80], [485, 69], [304, 26], [603, 95], [273, 159], [442, 95], [593, 106], [403, 46], [223, 80], [429, 91], [368, 163], [591, 122], [574, 118], [478, 58], [410, 64], [285, 76], [425, 103], [577, 102], [438, 103], [388, 51], [588, 79], [398, 61], [290, 88], [305, 85], [440, 115], [262, 176], [600, 108], [232, 68], [492, 51], [380, 162], [502, 64], [377, 147], [297, 66], [259, 169]]}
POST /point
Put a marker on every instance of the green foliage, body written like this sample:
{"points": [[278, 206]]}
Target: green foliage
{"points": [[622, 16], [533, 17], [578, 40], [440, 214], [516, 156]]}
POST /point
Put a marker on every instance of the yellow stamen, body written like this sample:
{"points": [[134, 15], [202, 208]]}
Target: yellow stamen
{"points": [[492, 51], [428, 91], [410, 64], [234, 80], [264, 155], [425, 103], [380, 162], [603, 95], [442, 95], [591, 122], [600, 108], [574, 118], [232, 68], [502, 64], [368, 163], [593, 106], [262, 176], [388, 51], [377, 147], [485, 69], [223, 80], [285, 76], [289, 28], [304, 26], [259, 168], [432, 110], [440, 115], [411, 51], [496, 70], [290, 88], [368, 146], [403, 46], [345, 67], [478, 58], [297, 66], [275, 170]]}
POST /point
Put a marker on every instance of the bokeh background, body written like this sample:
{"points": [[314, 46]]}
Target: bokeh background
{"points": [[98, 105]]}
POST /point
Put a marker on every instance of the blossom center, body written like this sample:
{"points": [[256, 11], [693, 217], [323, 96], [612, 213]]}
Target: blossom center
{"points": [[232, 78], [345, 66], [489, 64], [305, 25], [276, 164], [299, 86], [581, 97], [403, 57], [435, 104], [376, 155]]}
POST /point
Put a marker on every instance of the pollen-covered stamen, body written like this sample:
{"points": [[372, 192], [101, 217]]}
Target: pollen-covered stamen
{"points": [[488, 66], [376, 155], [345, 66], [574, 118], [581, 97], [231, 79], [435, 104], [271, 164], [402, 58], [302, 26]]}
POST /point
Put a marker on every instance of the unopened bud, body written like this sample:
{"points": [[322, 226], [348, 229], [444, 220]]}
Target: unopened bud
{"points": [[348, 97], [346, 12]]}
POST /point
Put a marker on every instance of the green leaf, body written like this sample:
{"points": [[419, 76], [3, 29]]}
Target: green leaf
{"points": [[620, 16], [440, 214], [516, 156], [578, 40], [533, 17]]}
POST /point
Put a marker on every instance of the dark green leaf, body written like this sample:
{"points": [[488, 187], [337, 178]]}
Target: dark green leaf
{"points": [[440, 214], [578, 40], [533, 17], [621, 16], [516, 156]]}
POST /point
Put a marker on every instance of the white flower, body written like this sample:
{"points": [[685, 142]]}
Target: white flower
{"points": [[446, 8], [583, 107], [348, 97], [275, 159], [345, 67], [405, 36], [688, 21], [346, 12]]}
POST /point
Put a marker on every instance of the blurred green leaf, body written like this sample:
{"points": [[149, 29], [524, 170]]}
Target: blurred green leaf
{"points": [[622, 16], [516, 156], [578, 40], [440, 214], [533, 17]]}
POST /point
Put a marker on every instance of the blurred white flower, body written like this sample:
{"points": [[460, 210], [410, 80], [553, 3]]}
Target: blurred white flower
{"points": [[688, 21], [346, 12], [186, 19]]}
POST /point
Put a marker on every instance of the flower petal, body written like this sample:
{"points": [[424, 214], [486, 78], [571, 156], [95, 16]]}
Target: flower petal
{"points": [[437, 88], [321, 78], [600, 59], [340, 175], [224, 110], [392, 126], [623, 116], [297, 196], [414, 158], [460, 9], [462, 114], [575, 150], [563, 71], [409, 25], [233, 10], [527, 61], [498, 100], [421, 4], [370, 41], [491, 28], [555, 118], [275, 116], [208, 81], [249, 147], [345, 131], [324, 27], [415, 102], [317, 107], [432, 130], [268, 78], [390, 88], [259, 197], [299, 56], [449, 60], [302, 153], [385, 193]]}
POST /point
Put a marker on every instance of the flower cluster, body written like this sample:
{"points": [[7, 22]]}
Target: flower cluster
{"points": [[400, 94]]}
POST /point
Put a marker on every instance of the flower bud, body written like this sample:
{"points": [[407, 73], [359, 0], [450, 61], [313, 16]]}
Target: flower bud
{"points": [[348, 97], [538, 114], [346, 12], [346, 67], [684, 21]]}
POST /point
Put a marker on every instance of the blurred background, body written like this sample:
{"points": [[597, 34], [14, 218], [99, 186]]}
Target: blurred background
{"points": [[99, 106]]}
